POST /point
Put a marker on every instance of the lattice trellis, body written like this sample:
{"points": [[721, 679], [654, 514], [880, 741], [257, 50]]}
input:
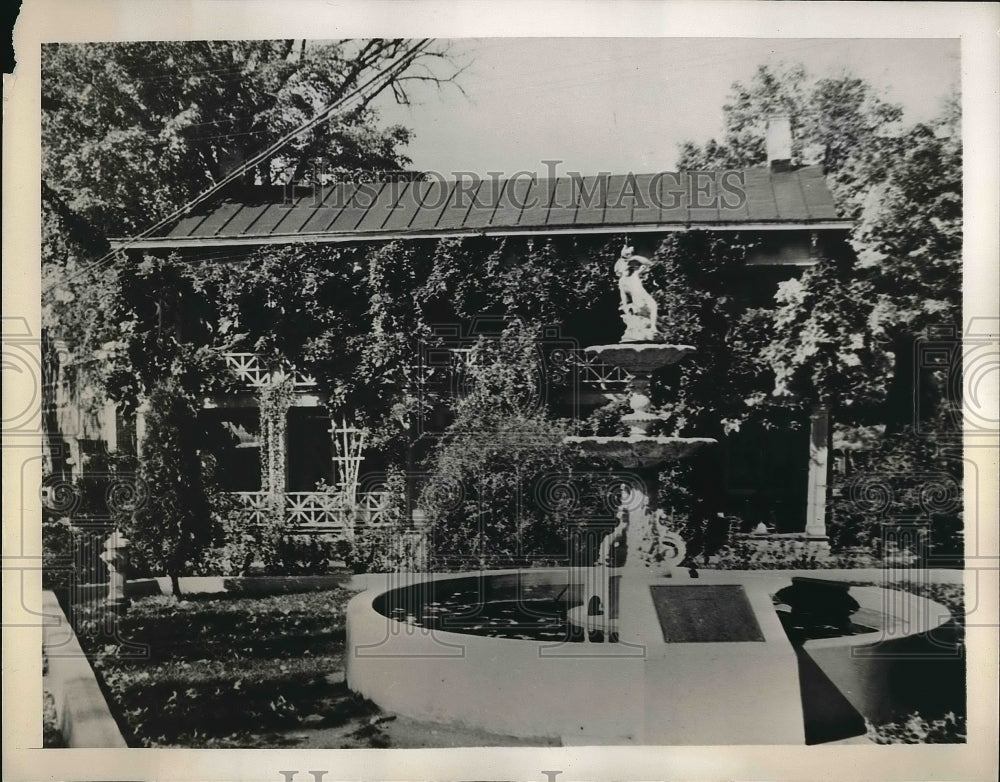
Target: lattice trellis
{"points": [[249, 369], [318, 511], [348, 447]]}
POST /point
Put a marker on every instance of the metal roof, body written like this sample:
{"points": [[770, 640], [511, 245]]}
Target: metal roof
{"points": [[748, 199]]}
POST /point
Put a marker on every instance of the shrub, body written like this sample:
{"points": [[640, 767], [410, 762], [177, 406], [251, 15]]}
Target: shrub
{"points": [[906, 476], [269, 546], [482, 495], [770, 554], [392, 545], [171, 529]]}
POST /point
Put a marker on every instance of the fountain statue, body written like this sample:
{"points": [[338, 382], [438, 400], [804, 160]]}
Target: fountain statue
{"points": [[638, 308], [651, 549]]}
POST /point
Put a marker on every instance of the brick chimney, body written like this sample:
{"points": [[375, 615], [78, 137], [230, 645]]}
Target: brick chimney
{"points": [[779, 142]]}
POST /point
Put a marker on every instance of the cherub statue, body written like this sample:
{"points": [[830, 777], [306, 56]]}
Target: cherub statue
{"points": [[638, 308]]}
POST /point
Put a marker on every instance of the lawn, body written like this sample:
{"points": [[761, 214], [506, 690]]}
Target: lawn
{"points": [[269, 672], [245, 672]]}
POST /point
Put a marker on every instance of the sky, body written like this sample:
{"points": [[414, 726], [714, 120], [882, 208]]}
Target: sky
{"points": [[624, 104]]}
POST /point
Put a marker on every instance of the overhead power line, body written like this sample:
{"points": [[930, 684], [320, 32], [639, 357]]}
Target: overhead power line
{"points": [[387, 74]]}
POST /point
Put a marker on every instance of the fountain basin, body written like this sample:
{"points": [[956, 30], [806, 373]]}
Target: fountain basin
{"points": [[644, 690]]}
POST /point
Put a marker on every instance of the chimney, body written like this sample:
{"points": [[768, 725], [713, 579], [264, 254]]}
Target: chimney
{"points": [[779, 142]]}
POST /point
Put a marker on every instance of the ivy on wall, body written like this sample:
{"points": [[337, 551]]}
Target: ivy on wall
{"points": [[274, 400]]}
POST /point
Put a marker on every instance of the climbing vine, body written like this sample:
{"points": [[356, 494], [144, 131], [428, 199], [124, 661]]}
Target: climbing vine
{"points": [[274, 400]]}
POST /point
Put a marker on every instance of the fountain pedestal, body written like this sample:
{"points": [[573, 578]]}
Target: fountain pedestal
{"points": [[684, 630], [651, 550]]}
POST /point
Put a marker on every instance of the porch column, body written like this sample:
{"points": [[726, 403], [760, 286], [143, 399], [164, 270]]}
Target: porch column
{"points": [[273, 404], [274, 434], [140, 425], [819, 467], [109, 425]]}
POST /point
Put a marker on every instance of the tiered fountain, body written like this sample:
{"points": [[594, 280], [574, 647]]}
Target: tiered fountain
{"points": [[651, 550], [682, 660]]}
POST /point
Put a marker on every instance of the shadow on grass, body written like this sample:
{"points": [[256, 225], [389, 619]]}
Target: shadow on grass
{"points": [[225, 671]]}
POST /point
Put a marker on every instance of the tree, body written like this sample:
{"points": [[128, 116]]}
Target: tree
{"points": [[169, 531], [844, 333], [185, 113], [866, 316], [833, 120], [132, 131]]}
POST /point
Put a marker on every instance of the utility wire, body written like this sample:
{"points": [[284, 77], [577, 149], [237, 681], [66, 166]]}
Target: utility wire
{"points": [[388, 74]]}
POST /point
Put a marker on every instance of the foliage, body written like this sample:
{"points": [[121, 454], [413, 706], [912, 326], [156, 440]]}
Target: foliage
{"points": [[78, 517], [346, 316], [844, 331], [274, 400], [185, 114], [482, 473], [823, 349], [910, 226], [850, 330], [915, 729], [163, 333], [394, 545], [269, 548], [945, 724], [743, 553], [171, 529], [832, 119], [555, 281], [51, 736], [907, 478], [696, 279], [356, 317]]}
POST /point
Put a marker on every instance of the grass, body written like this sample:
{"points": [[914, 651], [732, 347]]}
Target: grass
{"points": [[226, 672]]}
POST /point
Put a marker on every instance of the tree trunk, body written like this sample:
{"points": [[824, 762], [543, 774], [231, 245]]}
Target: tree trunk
{"points": [[175, 585]]}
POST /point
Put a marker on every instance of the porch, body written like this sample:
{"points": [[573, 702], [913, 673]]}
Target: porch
{"points": [[318, 511]]}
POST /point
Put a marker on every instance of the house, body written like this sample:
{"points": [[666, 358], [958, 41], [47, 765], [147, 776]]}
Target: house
{"points": [[789, 208]]}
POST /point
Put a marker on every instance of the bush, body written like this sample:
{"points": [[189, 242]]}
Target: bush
{"points": [[268, 547], [905, 477], [71, 554], [483, 498], [767, 554], [171, 529]]}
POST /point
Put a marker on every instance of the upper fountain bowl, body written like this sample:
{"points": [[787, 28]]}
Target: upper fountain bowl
{"points": [[640, 358]]}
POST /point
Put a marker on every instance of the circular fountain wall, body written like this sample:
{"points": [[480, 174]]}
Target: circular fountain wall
{"points": [[497, 651]]}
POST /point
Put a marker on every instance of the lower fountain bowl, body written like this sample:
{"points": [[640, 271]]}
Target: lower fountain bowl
{"points": [[641, 450], [498, 651]]}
